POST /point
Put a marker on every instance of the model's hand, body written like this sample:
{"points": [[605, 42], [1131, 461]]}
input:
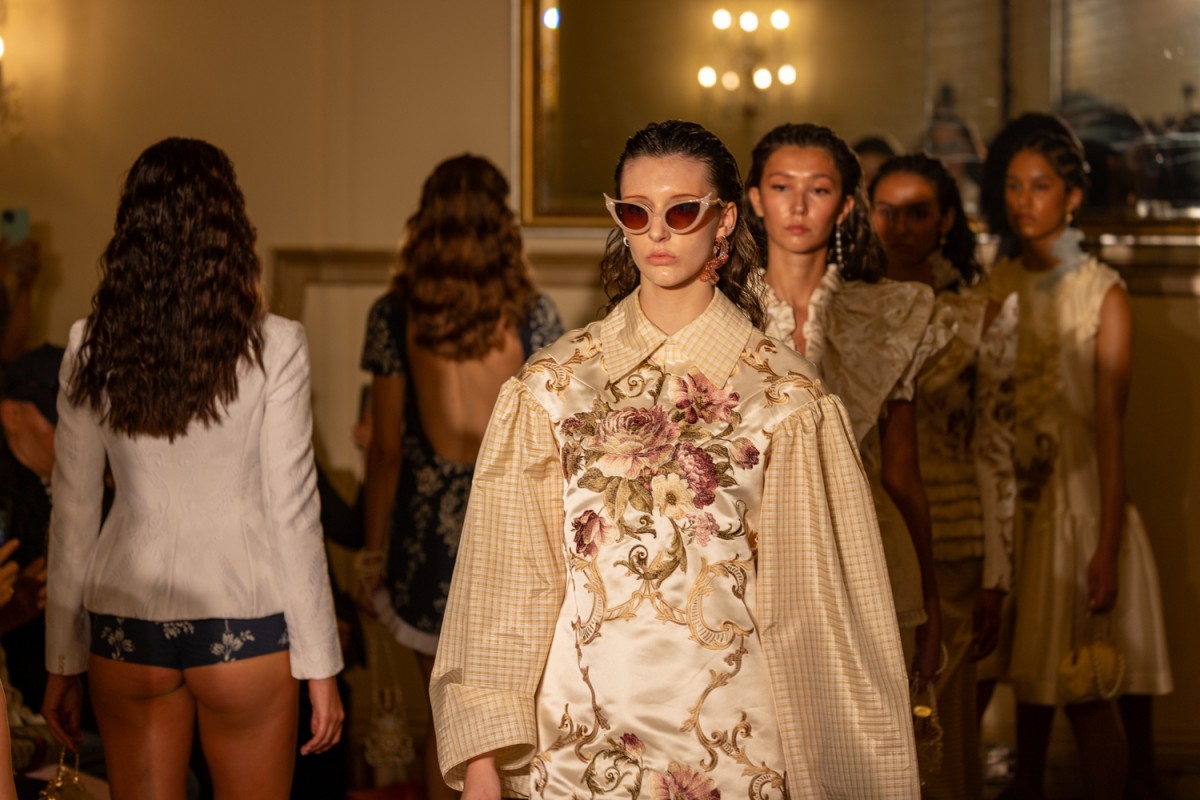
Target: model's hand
{"points": [[28, 596], [482, 781], [62, 708], [928, 663], [985, 623], [1102, 582], [23, 260], [327, 716], [368, 569]]}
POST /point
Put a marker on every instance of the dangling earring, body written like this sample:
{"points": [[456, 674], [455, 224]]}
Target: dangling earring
{"points": [[1070, 218], [720, 256], [837, 245], [626, 240], [941, 242]]}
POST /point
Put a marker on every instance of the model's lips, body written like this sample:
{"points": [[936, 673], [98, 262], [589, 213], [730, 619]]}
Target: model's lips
{"points": [[660, 257], [1023, 219], [797, 230]]}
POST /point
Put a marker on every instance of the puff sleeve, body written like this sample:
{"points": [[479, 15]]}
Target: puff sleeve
{"points": [[827, 620], [508, 587]]}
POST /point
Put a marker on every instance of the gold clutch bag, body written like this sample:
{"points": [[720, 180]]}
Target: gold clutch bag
{"points": [[1089, 672], [66, 783]]}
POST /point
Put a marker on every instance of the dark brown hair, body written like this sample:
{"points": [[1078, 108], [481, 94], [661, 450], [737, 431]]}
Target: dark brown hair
{"points": [[463, 275], [863, 256], [179, 304], [740, 278], [959, 245]]}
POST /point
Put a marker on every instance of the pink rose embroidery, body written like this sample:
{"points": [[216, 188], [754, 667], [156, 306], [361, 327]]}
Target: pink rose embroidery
{"points": [[702, 399], [744, 454], [704, 527], [699, 471], [592, 531], [632, 745], [681, 782], [633, 440]]}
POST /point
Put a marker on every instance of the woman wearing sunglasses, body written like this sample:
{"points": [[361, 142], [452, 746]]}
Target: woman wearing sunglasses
{"points": [[869, 339], [666, 582]]}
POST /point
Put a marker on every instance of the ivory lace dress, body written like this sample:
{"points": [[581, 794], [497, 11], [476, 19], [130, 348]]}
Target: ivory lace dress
{"points": [[668, 585], [1058, 501], [869, 342]]}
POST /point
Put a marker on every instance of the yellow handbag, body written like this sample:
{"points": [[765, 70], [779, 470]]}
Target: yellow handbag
{"points": [[1091, 671], [66, 783]]}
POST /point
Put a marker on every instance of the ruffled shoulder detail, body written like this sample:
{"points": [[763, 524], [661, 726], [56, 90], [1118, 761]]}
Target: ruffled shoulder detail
{"points": [[872, 333], [831, 286], [939, 332]]}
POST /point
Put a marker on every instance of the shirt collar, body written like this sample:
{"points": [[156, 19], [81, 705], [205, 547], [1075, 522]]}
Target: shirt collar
{"points": [[713, 341]]}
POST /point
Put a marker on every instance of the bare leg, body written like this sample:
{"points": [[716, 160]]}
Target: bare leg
{"points": [[146, 716], [247, 712], [1103, 753], [1034, 724], [1137, 715], [435, 786]]}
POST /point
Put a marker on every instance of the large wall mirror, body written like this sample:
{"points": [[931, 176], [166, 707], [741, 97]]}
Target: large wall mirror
{"points": [[938, 75]]}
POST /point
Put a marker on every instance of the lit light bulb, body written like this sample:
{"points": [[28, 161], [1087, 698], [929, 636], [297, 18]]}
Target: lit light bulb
{"points": [[748, 21], [787, 74], [730, 80], [722, 19], [780, 19], [550, 18], [707, 77], [1, 47], [762, 78]]}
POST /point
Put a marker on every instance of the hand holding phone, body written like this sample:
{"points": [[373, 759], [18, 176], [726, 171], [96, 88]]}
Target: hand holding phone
{"points": [[18, 253], [14, 226]]}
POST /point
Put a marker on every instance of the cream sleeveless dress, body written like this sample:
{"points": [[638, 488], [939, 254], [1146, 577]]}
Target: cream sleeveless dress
{"points": [[1058, 501]]}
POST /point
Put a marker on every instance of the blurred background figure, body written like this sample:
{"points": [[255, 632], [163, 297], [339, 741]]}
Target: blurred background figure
{"points": [[461, 318], [872, 151], [955, 142], [964, 406]]}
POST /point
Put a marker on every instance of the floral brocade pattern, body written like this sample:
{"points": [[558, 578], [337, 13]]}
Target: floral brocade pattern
{"points": [[656, 684]]}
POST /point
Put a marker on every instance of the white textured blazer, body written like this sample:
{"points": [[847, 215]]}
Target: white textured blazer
{"points": [[222, 523]]}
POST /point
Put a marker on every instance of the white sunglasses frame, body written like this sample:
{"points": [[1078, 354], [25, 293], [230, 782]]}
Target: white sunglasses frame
{"points": [[706, 202]]}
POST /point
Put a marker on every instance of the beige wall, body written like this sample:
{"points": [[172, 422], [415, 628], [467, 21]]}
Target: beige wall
{"points": [[332, 111]]}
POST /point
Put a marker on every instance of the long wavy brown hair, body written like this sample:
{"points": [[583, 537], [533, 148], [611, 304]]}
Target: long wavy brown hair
{"points": [[864, 254], [740, 279], [463, 274], [179, 305]]}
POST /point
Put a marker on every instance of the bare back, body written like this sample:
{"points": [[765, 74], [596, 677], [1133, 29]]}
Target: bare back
{"points": [[455, 398]]}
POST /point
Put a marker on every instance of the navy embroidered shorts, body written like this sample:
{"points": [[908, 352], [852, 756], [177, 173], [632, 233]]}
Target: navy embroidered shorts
{"points": [[186, 643]]}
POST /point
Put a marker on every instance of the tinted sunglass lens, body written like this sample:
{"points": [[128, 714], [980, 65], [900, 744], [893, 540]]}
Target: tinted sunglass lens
{"points": [[633, 217], [681, 215]]}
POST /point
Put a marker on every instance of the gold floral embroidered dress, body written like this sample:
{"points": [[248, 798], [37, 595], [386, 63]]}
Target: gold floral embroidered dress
{"points": [[670, 580], [1058, 486]]}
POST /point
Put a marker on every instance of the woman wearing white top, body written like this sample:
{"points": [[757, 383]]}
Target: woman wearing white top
{"points": [[205, 595]]}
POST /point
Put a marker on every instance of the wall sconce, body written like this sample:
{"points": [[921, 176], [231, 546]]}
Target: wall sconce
{"points": [[9, 109], [749, 54]]}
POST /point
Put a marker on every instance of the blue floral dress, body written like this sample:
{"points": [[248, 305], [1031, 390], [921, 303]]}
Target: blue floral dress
{"points": [[431, 495]]}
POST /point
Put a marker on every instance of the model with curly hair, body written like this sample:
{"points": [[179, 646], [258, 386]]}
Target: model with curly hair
{"points": [[1085, 569], [964, 405], [204, 597], [870, 337], [462, 316], [668, 584]]}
